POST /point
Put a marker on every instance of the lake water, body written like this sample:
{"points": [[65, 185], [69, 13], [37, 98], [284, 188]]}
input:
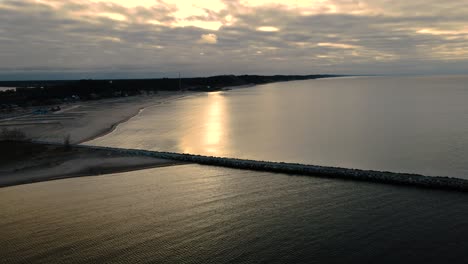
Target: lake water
{"points": [[401, 124], [200, 214]]}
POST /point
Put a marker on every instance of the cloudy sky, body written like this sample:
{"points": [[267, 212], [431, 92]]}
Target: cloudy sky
{"points": [[146, 38]]}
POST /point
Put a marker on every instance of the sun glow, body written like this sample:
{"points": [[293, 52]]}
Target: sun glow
{"points": [[214, 123], [207, 14]]}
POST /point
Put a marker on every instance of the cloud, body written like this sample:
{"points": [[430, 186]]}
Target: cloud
{"points": [[337, 45], [267, 37], [208, 39], [268, 29]]}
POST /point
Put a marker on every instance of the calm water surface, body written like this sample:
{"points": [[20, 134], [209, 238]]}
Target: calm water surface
{"points": [[402, 124], [199, 214]]}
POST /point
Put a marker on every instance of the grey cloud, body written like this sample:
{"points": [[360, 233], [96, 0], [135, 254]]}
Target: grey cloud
{"points": [[39, 37]]}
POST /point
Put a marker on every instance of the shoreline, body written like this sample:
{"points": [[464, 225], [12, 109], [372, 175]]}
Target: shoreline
{"points": [[57, 130], [84, 121], [114, 126]]}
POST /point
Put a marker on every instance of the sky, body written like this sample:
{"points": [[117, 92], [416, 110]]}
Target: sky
{"points": [[62, 39]]}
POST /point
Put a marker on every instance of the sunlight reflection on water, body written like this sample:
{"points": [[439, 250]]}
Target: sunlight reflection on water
{"points": [[401, 124]]}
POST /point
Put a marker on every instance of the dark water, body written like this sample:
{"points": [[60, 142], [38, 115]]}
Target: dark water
{"points": [[401, 124], [199, 214]]}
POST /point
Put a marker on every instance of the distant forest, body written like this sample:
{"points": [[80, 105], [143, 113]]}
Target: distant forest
{"points": [[36, 93]]}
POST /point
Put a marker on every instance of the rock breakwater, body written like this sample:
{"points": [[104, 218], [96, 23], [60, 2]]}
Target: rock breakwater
{"points": [[417, 180]]}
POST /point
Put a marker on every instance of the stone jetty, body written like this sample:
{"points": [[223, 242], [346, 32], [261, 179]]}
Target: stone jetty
{"points": [[303, 169]]}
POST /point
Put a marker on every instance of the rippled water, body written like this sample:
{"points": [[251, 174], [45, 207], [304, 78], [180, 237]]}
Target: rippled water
{"points": [[401, 124], [202, 214], [199, 214]]}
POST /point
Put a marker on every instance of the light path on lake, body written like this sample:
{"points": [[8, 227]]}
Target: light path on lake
{"points": [[401, 124]]}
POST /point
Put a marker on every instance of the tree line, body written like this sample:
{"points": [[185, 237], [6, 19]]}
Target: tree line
{"points": [[35, 93]]}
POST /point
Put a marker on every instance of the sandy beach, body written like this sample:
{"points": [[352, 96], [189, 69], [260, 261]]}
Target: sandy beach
{"points": [[82, 121], [22, 163], [86, 120]]}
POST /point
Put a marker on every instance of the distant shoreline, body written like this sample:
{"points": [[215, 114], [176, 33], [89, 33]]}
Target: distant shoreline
{"points": [[98, 124], [86, 119], [46, 92]]}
